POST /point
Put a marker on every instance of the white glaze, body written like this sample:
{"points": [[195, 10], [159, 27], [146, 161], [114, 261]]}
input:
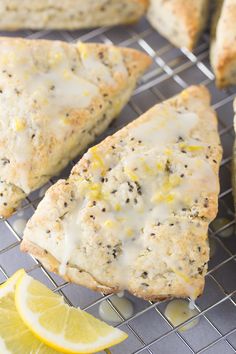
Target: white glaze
{"points": [[116, 59], [71, 240], [19, 226], [192, 304], [22, 154], [48, 94], [123, 305], [164, 131], [72, 92], [93, 67], [20, 213], [178, 311], [157, 137], [121, 294]]}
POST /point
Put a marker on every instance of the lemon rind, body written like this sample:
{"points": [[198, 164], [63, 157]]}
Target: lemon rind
{"points": [[55, 341], [9, 284]]}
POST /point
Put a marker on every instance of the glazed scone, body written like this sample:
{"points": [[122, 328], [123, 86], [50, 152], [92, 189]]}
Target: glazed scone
{"points": [[68, 14], [55, 98], [180, 21], [135, 210], [223, 44]]}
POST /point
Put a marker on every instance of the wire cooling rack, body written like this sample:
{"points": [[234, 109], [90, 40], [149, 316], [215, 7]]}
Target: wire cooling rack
{"points": [[149, 330]]}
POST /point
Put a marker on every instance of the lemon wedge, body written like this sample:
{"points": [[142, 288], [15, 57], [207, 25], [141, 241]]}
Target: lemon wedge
{"points": [[15, 337], [58, 325]]}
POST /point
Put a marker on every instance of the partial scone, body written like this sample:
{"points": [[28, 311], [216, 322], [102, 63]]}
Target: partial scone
{"points": [[68, 14], [223, 43], [180, 21], [55, 98], [135, 210]]}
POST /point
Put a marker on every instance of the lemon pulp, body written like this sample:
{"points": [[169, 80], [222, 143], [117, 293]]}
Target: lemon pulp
{"points": [[15, 337], [57, 324]]}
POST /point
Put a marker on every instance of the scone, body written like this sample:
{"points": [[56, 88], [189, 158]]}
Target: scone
{"points": [[180, 21], [55, 98], [223, 43], [135, 211], [68, 14]]}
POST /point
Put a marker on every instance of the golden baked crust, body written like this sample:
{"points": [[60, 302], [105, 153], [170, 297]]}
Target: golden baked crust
{"points": [[180, 21], [55, 98], [135, 210], [68, 14], [223, 44]]}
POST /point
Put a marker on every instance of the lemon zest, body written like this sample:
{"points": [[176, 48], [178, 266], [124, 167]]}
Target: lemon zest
{"points": [[20, 124], [131, 174]]}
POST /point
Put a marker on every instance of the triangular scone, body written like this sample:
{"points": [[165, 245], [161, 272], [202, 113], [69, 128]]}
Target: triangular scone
{"points": [[68, 14], [180, 21], [55, 98], [135, 210], [223, 43]]}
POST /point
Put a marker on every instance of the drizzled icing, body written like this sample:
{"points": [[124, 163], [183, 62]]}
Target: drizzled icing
{"points": [[48, 87], [164, 131], [72, 231], [19, 226], [123, 305], [139, 193], [179, 311]]}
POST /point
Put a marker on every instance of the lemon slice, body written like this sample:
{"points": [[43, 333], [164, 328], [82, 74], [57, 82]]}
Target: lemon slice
{"points": [[15, 337], [57, 324]]}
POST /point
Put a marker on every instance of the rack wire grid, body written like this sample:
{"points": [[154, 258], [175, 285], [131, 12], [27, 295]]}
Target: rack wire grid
{"points": [[148, 328]]}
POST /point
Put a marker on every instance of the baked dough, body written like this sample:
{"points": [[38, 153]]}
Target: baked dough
{"points": [[180, 21], [223, 43], [68, 14], [55, 98], [135, 210]]}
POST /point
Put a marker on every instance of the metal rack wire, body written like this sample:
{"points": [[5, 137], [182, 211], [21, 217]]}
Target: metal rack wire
{"points": [[149, 330]]}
